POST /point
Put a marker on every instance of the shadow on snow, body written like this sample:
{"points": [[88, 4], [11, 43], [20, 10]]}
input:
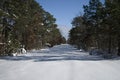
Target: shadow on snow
{"points": [[58, 53], [55, 58]]}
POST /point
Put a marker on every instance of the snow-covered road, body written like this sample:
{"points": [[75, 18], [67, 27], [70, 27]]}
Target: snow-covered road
{"points": [[61, 62]]}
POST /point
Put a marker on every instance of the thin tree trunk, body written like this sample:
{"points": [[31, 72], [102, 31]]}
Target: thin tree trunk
{"points": [[118, 46], [109, 44]]}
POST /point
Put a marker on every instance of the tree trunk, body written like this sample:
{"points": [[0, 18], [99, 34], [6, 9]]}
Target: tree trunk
{"points": [[118, 46], [109, 40], [109, 44]]}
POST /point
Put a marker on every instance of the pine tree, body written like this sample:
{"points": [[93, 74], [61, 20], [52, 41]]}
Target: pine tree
{"points": [[26, 23], [113, 8]]}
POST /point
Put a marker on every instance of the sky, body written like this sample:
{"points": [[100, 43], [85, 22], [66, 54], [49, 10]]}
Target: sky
{"points": [[64, 11]]}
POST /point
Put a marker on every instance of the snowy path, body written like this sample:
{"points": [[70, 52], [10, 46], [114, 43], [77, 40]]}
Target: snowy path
{"points": [[61, 62]]}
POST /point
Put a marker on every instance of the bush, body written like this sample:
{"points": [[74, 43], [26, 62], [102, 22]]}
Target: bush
{"points": [[96, 52]]}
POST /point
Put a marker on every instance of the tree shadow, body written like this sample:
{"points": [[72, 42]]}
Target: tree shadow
{"points": [[55, 58], [57, 54]]}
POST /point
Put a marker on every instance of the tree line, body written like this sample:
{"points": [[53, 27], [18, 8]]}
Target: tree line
{"points": [[24, 23], [98, 27]]}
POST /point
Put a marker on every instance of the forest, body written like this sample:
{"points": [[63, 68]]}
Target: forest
{"points": [[33, 44], [24, 23], [98, 28]]}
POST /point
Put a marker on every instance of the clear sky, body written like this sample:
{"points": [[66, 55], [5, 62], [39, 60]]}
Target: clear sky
{"points": [[64, 11]]}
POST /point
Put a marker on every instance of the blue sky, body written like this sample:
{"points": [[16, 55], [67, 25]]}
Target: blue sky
{"points": [[64, 11]]}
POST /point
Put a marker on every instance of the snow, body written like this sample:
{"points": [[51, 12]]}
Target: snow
{"points": [[15, 16], [2, 43], [23, 50], [14, 54], [61, 62]]}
